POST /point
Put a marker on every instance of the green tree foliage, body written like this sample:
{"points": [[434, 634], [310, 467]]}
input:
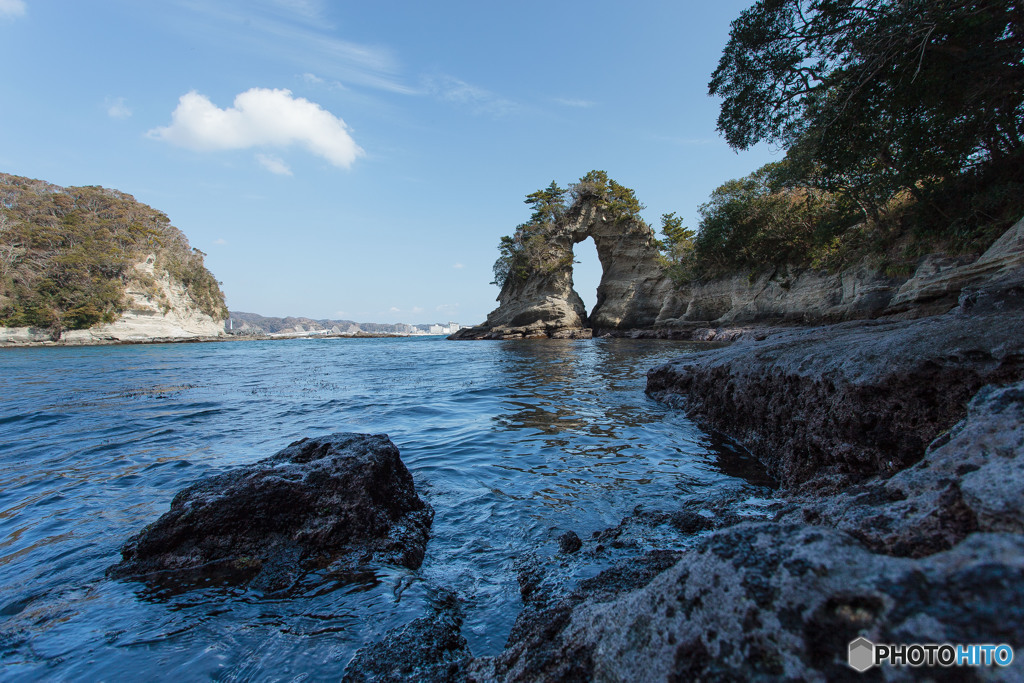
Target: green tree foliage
{"points": [[619, 199], [67, 254], [759, 221], [529, 248], [902, 122], [871, 97], [676, 246], [548, 204]]}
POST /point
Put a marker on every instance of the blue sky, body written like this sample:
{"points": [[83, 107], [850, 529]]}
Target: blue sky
{"points": [[362, 160]]}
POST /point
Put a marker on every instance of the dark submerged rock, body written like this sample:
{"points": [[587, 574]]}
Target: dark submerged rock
{"points": [[429, 649], [569, 542], [343, 500]]}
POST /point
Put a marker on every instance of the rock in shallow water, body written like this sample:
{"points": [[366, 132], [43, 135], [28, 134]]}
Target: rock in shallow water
{"points": [[430, 649], [343, 500]]}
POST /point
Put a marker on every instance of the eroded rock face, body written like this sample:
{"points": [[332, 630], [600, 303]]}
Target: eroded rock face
{"points": [[858, 398], [342, 501], [630, 293], [971, 479], [635, 293]]}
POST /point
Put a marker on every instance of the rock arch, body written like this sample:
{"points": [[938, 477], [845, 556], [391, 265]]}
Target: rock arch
{"points": [[544, 303]]}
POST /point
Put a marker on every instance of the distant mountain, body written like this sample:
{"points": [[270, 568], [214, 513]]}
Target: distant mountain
{"points": [[253, 323]]}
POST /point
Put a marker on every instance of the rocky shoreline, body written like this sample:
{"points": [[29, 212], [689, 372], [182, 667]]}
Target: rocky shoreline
{"points": [[636, 298], [899, 449], [10, 343], [899, 445]]}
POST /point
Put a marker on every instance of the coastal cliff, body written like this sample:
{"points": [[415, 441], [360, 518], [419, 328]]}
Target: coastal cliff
{"points": [[637, 297], [88, 265], [544, 303]]}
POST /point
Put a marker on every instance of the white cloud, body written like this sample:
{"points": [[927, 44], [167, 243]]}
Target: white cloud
{"points": [[274, 164], [569, 102], [117, 108], [259, 117], [220, 240], [269, 30], [311, 10], [395, 309], [458, 266], [481, 101], [12, 8]]}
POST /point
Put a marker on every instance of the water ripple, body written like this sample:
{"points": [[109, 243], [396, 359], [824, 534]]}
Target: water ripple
{"points": [[511, 442]]}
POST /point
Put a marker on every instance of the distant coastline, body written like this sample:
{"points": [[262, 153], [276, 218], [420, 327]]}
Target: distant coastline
{"points": [[66, 342]]}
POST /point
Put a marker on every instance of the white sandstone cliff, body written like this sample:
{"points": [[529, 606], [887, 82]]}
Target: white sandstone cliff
{"points": [[147, 319]]}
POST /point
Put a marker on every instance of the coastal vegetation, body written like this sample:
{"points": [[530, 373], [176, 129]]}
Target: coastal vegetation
{"points": [[68, 254], [529, 250], [902, 124]]}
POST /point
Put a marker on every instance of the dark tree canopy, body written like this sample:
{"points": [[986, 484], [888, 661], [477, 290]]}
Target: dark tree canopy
{"points": [[873, 96]]}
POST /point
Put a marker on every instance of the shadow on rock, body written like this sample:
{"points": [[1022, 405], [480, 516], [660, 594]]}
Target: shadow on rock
{"points": [[339, 502]]}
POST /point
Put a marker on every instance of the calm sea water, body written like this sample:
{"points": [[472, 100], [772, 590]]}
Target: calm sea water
{"points": [[513, 443]]}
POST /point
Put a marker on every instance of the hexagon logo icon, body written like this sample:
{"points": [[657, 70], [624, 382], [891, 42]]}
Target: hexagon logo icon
{"points": [[862, 654]]}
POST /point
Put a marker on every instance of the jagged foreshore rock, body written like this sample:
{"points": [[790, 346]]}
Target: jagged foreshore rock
{"points": [[856, 398], [340, 501], [934, 554], [777, 591], [430, 649], [768, 601], [971, 479]]}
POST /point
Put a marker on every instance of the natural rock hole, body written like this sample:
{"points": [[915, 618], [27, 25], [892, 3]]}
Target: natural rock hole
{"points": [[586, 272]]}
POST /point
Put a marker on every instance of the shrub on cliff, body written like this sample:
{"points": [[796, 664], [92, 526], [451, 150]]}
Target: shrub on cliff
{"points": [[67, 254], [529, 248], [756, 221]]}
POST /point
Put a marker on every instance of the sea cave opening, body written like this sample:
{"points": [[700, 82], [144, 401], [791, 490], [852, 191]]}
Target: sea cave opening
{"points": [[586, 272]]}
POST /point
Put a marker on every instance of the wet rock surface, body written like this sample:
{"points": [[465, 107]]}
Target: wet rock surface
{"points": [[857, 398], [338, 502], [763, 588], [429, 649]]}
